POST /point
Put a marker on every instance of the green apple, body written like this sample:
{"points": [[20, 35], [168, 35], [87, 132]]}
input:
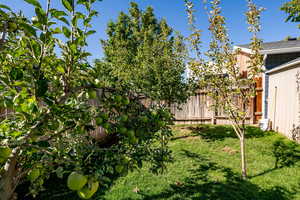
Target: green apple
{"points": [[126, 160], [133, 140], [125, 101], [92, 94], [12, 26], [123, 118], [122, 130], [76, 181], [130, 133], [41, 181], [39, 165], [119, 168], [5, 152], [99, 121], [86, 192], [106, 125], [161, 123], [154, 113], [104, 116], [144, 119], [167, 114], [118, 98], [34, 174], [34, 19]]}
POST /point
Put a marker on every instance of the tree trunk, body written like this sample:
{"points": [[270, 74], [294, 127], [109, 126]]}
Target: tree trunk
{"points": [[7, 181], [243, 155]]}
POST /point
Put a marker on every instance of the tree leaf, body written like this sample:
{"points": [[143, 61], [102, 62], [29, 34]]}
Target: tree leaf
{"points": [[67, 5], [41, 15], [56, 30], [57, 13], [66, 32], [29, 29], [85, 54], [4, 7], [60, 69], [63, 19], [60, 172], [16, 74], [80, 15], [34, 2], [90, 32], [16, 134]]}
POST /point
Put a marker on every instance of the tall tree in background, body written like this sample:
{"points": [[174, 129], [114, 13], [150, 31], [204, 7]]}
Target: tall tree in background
{"points": [[292, 8], [55, 101], [143, 54], [220, 75]]}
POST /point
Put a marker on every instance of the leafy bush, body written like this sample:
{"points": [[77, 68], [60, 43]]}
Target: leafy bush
{"points": [[285, 153]]}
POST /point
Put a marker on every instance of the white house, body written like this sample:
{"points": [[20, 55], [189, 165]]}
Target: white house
{"points": [[278, 101], [284, 97]]}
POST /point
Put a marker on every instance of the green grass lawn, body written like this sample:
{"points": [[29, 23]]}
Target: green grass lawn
{"points": [[207, 167]]}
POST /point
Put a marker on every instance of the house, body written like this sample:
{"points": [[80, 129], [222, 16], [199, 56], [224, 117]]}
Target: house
{"points": [[284, 97], [277, 96]]}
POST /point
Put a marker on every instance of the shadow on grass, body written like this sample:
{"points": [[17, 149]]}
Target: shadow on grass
{"points": [[211, 181], [219, 133], [274, 169], [286, 154]]}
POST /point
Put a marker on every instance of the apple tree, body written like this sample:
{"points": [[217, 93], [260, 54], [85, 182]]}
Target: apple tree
{"points": [[219, 73]]}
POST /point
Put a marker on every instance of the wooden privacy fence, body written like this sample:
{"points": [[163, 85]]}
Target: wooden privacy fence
{"points": [[198, 110]]}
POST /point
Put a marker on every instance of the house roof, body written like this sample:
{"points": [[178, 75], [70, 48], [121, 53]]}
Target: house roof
{"points": [[288, 65], [275, 47]]}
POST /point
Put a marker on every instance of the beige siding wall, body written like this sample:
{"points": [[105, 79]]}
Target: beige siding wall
{"points": [[283, 103]]}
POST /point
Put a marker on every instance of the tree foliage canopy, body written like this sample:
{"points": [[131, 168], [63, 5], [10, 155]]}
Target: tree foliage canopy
{"points": [[142, 53], [292, 8], [54, 100]]}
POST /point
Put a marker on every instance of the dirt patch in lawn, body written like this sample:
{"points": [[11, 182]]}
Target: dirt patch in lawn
{"points": [[229, 150]]}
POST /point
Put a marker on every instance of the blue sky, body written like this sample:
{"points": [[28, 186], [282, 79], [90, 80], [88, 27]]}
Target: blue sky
{"points": [[273, 26]]}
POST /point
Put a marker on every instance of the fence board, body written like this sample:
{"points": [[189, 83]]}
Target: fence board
{"points": [[198, 110]]}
